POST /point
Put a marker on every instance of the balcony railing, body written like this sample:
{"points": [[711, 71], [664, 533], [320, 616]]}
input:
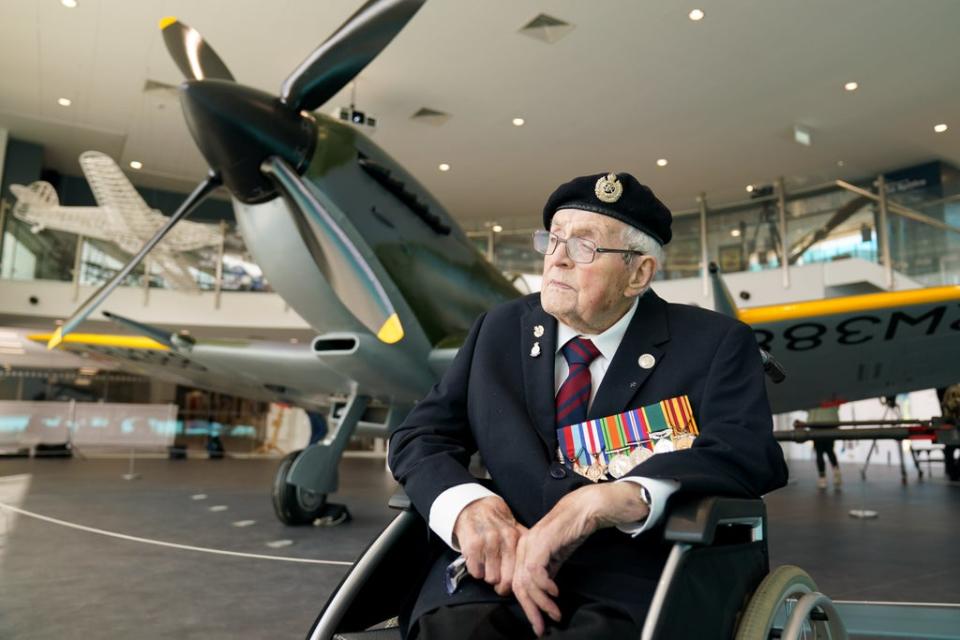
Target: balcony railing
{"points": [[916, 233]]}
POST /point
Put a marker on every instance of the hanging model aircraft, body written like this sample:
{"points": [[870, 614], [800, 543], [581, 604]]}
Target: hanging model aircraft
{"points": [[121, 217], [373, 262]]}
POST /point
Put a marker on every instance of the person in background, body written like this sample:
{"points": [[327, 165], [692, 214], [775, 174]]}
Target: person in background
{"points": [[824, 448]]}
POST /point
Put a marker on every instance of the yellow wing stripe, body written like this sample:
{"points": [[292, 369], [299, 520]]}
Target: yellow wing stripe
{"points": [[100, 339], [848, 304], [166, 22]]}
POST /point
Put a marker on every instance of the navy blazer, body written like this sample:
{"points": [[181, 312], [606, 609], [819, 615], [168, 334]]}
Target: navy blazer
{"points": [[498, 399]]}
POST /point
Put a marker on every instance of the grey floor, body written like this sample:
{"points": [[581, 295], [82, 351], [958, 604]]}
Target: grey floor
{"points": [[57, 582]]}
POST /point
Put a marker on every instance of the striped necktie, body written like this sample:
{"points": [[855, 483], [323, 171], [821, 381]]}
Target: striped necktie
{"points": [[574, 395]]}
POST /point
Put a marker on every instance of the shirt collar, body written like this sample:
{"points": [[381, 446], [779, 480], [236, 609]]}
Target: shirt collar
{"points": [[608, 341]]}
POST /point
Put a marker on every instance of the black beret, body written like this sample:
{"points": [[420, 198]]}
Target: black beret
{"points": [[619, 196]]}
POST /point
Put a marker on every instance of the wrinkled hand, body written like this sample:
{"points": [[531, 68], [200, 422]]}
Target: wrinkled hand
{"points": [[546, 546], [487, 534]]}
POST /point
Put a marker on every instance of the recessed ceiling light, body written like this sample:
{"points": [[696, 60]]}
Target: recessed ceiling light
{"points": [[749, 188], [662, 162], [696, 15], [496, 228], [136, 164], [940, 128], [444, 166], [69, 4], [735, 233], [64, 102], [518, 122], [851, 86], [840, 163]]}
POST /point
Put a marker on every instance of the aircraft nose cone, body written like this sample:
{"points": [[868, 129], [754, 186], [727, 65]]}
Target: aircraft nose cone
{"points": [[238, 127]]}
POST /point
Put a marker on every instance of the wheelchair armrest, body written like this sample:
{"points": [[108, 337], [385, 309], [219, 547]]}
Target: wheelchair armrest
{"points": [[400, 500], [696, 520]]}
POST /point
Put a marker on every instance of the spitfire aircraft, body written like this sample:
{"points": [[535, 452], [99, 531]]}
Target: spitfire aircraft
{"points": [[391, 284], [352, 241], [121, 217]]}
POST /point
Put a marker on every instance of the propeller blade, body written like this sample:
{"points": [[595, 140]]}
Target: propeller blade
{"points": [[347, 270], [196, 59], [176, 341], [722, 300], [345, 53], [202, 191]]}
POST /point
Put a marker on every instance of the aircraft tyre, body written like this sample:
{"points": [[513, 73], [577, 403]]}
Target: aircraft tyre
{"points": [[772, 603], [295, 505]]}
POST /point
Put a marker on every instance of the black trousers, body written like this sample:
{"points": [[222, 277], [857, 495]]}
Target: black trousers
{"points": [[824, 448], [497, 621]]}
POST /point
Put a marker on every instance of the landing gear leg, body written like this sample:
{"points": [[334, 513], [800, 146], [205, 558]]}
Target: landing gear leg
{"points": [[305, 478]]}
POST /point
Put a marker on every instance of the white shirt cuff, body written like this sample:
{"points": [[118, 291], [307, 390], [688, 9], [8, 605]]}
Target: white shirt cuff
{"points": [[448, 505], [659, 490]]}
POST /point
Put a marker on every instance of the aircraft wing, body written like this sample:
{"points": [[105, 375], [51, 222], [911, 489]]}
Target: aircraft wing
{"points": [[111, 188], [262, 370], [857, 347], [190, 236]]}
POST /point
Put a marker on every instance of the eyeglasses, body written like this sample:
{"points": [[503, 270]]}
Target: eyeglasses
{"points": [[578, 249]]}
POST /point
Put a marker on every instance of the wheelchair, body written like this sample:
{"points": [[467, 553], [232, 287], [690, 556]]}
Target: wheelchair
{"points": [[718, 559]]}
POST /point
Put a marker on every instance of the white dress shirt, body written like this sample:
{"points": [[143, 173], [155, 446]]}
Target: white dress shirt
{"points": [[448, 505]]}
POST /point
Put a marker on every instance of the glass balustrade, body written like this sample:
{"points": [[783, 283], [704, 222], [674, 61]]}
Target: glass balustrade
{"points": [[824, 223]]}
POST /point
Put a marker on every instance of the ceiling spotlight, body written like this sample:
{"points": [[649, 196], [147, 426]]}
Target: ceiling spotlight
{"points": [[136, 164], [518, 122], [840, 163], [444, 166], [662, 162], [940, 128], [851, 86], [696, 15], [497, 228], [69, 4], [735, 233], [749, 188], [64, 102]]}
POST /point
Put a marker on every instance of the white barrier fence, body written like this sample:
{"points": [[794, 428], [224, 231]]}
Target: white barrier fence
{"points": [[93, 425]]}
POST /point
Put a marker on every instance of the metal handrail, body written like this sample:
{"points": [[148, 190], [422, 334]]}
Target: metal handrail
{"points": [[899, 209]]}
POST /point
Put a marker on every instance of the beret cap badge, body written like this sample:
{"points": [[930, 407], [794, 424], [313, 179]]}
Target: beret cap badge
{"points": [[608, 188]]}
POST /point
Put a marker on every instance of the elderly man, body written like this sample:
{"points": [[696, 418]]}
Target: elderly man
{"points": [[590, 403]]}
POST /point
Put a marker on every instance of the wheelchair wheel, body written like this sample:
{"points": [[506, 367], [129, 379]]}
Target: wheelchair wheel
{"points": [[295, 505], [772, 604]]}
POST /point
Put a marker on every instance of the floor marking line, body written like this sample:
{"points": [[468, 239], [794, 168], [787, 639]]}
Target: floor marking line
{"points": [[172, 545]]}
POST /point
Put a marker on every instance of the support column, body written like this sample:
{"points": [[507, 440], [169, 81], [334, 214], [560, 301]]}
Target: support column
{"points": [[704, 262], [218, 281], [782, 212], [883, 232]]}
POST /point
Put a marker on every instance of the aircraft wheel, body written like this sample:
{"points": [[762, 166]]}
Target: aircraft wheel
{"points": [[772, 604], [295, 505]]}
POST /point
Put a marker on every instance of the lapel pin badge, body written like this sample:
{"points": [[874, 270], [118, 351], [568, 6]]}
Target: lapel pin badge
{"points": [[535, 351], [647, 361], [538, 331]]}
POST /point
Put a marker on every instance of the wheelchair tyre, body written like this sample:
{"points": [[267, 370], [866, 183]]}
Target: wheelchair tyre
{"points": [[295, 505], [772, 603]]}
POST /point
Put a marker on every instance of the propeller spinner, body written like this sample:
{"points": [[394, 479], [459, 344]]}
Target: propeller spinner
{"points": [[258, 145]]}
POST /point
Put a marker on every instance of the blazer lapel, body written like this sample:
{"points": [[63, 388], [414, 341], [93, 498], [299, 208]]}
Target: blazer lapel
{"points": [[626, 375], [539, 353]]}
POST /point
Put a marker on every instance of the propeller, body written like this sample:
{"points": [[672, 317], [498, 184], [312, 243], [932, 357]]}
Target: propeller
{"points": [[258, 145], [195, 58]]}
